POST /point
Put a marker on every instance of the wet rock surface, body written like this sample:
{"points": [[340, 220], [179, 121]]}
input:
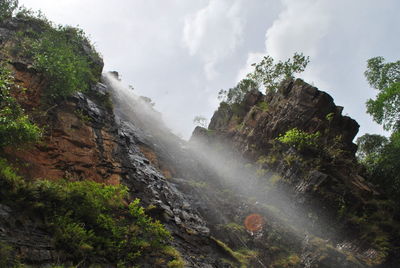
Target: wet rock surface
{"points": [[320, 185], [86, 139]]}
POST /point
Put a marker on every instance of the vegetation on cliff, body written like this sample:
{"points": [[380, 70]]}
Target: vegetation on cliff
{"points": [[64, 55], [88, 222], [15, 127], [298, 132]]}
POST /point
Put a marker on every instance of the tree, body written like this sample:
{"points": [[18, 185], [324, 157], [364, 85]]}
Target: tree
{"points": [[237, 93], [381, 155], [369, 145], [7, 8], [385, 77], [270, 75], [381, 158]]}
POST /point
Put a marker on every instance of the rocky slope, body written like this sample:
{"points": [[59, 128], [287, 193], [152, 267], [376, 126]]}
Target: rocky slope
{"points": [[83, 141], [316, 210], [322, 181]]}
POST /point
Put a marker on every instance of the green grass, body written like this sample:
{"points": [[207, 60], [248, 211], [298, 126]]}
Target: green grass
{"points": [[242, 256]]}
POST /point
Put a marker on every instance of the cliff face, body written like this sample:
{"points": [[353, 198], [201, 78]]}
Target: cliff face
{"points": [[323, 181], [83, 140], [232, 197], [296, 104]]}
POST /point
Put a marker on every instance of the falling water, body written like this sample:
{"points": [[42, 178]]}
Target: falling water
{"points": [[222, 166]]}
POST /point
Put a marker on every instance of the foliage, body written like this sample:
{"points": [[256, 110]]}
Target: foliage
{"points": [[381, 156], [378, 154], [266, 74], [270, 75], [7, 8], [385, 77], [57, 55], [89, 220], [263, 106], [330, 116], [63, 54], [243, 257], [299, 139], [370, 145], [82, 116], [177, 261], [15, 127], [236, 94], [201, 121], [291, 260], [232, 227]]}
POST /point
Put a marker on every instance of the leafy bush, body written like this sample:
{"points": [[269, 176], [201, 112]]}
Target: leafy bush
{"points": [[57, 56], [7, 8], [15, 127], [299, 139], [88, 220], [63, 54]]}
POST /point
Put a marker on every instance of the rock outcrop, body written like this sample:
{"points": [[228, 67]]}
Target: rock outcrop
{"points": [[314, 208], [323, 182]]}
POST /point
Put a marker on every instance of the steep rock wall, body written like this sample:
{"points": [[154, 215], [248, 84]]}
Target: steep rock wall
{"points": [[324, 182]]}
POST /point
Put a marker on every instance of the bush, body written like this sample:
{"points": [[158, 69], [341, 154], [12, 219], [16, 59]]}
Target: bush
{"points": [[7, 8], [299, 139], [15, 127], [63, 54], [88, 220], [57, 56]]}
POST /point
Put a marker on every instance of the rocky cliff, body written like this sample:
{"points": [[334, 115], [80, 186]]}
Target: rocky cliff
{"points": [[322, 180], [234, 196]]}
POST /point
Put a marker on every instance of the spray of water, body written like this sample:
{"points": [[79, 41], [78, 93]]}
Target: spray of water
{"points": [[227, 168]]}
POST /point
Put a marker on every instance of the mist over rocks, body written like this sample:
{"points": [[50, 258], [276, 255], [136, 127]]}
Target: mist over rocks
{"points": [[313, 207], [322, 180]]}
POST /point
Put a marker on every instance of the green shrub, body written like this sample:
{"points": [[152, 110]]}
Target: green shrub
{"points": [[15, 127], [63, 54], [263, 106], [7, 8], [88, 220], [177, 261], [299, 139], [57, 56]]}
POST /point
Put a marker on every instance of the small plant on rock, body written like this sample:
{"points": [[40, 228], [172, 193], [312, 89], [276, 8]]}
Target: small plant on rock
{"points": [[299, 138]]}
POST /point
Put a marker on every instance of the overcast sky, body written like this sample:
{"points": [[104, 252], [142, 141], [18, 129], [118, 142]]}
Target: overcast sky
{"points": [[181, 53]]}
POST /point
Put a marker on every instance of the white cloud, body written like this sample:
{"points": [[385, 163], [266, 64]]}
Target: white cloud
{"points": [[181, 53], [300, 27], [214, 32], [252, 57], [339, 36]]}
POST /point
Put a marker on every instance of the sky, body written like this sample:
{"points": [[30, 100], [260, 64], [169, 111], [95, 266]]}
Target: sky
{"points": [[180, 53]]}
